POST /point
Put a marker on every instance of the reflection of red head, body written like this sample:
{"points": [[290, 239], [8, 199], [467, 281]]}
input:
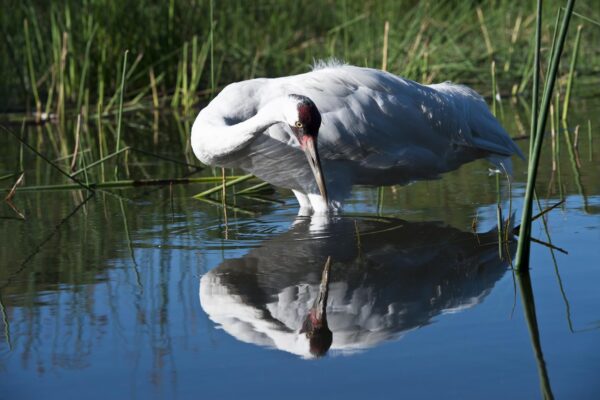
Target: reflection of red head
{"points": [[318, 333]]}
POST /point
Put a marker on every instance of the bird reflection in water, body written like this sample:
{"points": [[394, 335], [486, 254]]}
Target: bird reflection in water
{"points": [[382, 278], [315, 325]]}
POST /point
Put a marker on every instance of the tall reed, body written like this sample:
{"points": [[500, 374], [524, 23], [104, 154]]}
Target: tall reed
{"points": [[75, 45], [571, 74], [523, 248], [120, 114]]}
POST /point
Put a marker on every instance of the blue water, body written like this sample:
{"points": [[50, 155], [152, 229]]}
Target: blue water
{"points": [[148, 293], [130, 323]]}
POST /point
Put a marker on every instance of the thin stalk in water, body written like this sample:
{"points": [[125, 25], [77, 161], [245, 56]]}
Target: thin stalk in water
{"points": [[523, 247], [6, 323], [386, 30], [100, 161], [494, 91], [261, 187], [380, 190], [32, 80], [130, 246], [220, 187], [527, 300], [235, 209], [571, 74], [79, 183], [120, 114], [536, 77], [86, 63], [575, 167], [590, 139], [499, 213], [122, 184]]}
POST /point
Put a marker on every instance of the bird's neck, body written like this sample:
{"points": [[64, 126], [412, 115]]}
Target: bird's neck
{"points": [[213, 140]]}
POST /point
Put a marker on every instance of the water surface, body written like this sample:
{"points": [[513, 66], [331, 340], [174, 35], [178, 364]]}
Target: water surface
{"points": [[149, 293]]}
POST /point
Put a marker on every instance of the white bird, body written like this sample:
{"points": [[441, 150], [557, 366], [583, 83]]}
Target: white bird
{"points": [[356, 126]]}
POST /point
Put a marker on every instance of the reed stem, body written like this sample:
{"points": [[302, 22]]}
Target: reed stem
{"points": [[386, 31], [571, 74], [100, 161], [32, 80], [523, 247], [122, 184], [220, 187], [120, 113], [536, 77]]}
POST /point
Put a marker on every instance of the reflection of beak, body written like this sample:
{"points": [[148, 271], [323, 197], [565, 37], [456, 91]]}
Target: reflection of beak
{"points": [[315, 325], [310, 149], [321, 302]]}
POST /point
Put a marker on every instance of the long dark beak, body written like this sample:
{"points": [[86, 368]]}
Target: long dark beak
{"points": [[310, 149]]}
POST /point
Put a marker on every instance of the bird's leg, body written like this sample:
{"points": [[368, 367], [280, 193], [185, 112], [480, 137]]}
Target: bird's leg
{"points": [[304, 202], [318, 203]]}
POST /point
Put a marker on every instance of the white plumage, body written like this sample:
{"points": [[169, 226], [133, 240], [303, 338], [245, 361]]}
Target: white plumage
{"points": [[401, 277], [377, 129]]}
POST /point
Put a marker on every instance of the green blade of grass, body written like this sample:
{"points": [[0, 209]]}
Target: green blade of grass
{"points": [[255, 189], [523, 247], [79, 183], [120, 114], [571, 74], [122, 184], [227, 206], [220, 187], [536, 77], [100, 161]]}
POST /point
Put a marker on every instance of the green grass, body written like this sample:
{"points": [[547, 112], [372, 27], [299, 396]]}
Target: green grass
{"points": [[65, 59], [98, 59], [538, 126]]}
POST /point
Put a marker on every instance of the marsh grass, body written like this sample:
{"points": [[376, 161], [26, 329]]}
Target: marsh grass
{"points": [[529, 310], [120, 114], [62, 58], [74, 64], [571, 74], [538, 126]]}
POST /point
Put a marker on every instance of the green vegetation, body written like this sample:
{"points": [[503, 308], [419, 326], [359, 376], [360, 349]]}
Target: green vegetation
{"points": [[92, 61], [121, 82], [68, 55], [538, 126]]}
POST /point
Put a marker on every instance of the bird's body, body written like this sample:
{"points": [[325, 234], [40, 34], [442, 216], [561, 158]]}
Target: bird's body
{"points": [[377, 129]]}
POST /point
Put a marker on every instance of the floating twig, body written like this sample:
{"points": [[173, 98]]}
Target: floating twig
{"points": [[76, 149], [220, 187], [259, 188], [237, 209], [78, 182], [12, 191], [549, 245], [517, 228], [121, 184]]}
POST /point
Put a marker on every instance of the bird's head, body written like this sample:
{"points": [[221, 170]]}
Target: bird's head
{"points": [[304, 119]]}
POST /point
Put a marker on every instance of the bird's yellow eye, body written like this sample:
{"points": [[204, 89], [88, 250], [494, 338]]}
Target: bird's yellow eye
{"points": [[298, 124]]}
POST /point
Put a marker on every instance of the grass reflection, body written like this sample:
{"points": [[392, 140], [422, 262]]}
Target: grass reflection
{"points": [[528, 302]]}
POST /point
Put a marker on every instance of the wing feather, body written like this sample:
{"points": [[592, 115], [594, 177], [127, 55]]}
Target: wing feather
{"points": [[377, 128]]}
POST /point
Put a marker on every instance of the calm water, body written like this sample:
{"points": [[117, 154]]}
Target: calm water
{"points": [[148, 293]]}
